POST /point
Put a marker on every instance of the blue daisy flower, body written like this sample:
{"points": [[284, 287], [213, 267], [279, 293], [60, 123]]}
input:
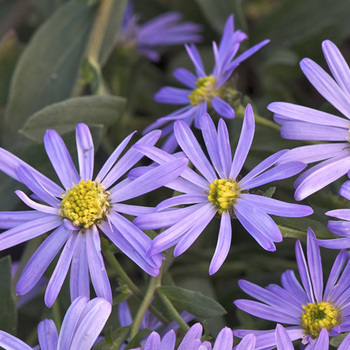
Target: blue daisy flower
{"points": [[78, 211]]}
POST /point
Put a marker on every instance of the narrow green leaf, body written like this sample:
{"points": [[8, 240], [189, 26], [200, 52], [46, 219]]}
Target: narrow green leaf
{"points": [[8, 312], [194, 302], [217, 12], [297, 227], [63, 116], [48, 68]]}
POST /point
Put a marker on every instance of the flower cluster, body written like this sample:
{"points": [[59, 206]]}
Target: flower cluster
{"points": [[95, 215]]}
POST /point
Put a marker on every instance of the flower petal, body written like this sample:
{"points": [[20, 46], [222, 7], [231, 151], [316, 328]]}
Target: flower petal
{"points": [[79, 272], [10, 219], [315, 265], [224, 147], [91, 324], [193, 151], [171, 95], [223, 108], [9, 342], [113, 157], [224, 340], [59, 274], [185, 77], [223, 244], [276, 207], [150, 181], [97, 268], [119, 240], [211, 142], [303, 271], [130, 158], [70, 322], [9, 164], [244, 143], [85, 147], [326, 86], [28, 230], [306, 114], [322, 176], [282, 339], [33, 183], [337, 64], [41, 260], [60, 159], [47, 334], [36, 206]]}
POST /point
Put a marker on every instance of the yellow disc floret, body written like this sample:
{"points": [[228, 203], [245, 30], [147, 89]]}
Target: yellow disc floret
{"points": [[223, 193], [205, 90], [85, 203], [318, 316]]}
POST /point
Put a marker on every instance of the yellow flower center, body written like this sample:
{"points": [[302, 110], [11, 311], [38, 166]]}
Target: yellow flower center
{"points": [[85, 203], [318, 316], [223, 193], [205, 90]]}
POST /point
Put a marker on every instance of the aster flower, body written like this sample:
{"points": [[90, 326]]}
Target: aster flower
{"points": [[203, 90], [81, 326], [308, 307], [303, 123], [219, 191], [164, 30], [340, 228], [191, 341], [77, 211]]}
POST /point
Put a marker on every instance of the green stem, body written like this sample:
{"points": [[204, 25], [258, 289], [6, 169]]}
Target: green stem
{"points": [[126, 279], [98, 31], [154, 283], [266, 122], [173, 312]]}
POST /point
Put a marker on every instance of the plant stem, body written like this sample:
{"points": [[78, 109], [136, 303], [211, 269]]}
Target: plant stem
{"points": [[173, 312], [266, 122], [126, 279], [99, 29], [154, 283]]}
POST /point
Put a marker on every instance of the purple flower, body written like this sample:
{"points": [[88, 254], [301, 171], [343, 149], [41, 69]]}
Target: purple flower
{"points": [[340, 228], [191, 341], [163, 30], [303, 123], [308, 307], [77, 211], [218, 191], [203, 90], [81, 326]]}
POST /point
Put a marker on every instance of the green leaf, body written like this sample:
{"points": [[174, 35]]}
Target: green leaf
{"points": [[63, 116], [295, 21], [8, 311], [194, 302], [48, 68], [217, 12], [297, 227], [112, 30]]}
